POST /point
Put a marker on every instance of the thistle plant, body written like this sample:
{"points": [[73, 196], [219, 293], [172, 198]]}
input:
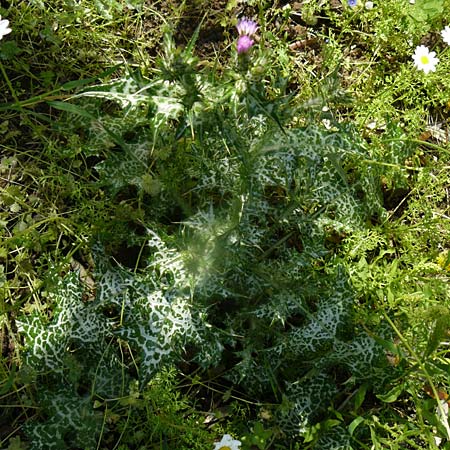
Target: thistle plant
{"points": [[239, 243], [240, 209], [246, 240]]}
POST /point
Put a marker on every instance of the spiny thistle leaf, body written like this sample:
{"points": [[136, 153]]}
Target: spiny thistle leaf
{"points": [[46, 340], [157, 317], [71, 422], [304, 401]]}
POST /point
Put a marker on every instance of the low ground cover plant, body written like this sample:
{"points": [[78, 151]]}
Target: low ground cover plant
{"points": [[230, 252]]}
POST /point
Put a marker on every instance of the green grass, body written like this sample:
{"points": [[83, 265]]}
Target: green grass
{"points": [[182, 195]]}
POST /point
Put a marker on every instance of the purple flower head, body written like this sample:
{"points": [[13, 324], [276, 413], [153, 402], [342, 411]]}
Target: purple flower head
{"points": [[352, 3], [246, 27], [244, 44]]}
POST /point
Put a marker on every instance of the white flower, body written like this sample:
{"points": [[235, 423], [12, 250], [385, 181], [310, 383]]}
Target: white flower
{"points": [[424, 59], [4, 30], [227, 443], [368, 5], [445, 33]]}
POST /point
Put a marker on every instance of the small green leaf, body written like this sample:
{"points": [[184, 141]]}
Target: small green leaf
{"points": [[439, 333], [354, 424], [9, 50], [392, 395], [15, 208], [15, 443], [226, 396], [360, 395]]}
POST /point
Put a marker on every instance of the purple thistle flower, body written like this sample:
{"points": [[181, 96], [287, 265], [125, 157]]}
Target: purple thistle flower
{"points": [[244, 44], [246, 27]]}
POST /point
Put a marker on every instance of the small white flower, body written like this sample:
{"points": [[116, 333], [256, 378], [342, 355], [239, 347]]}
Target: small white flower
{"points": [[4, 27], [372, 125], [227, 443], [368, 5], [326, 123], [445, 33], [424, 59]]}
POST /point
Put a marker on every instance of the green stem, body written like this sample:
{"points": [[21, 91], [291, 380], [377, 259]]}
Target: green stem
{"points": [[8, 82]]}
